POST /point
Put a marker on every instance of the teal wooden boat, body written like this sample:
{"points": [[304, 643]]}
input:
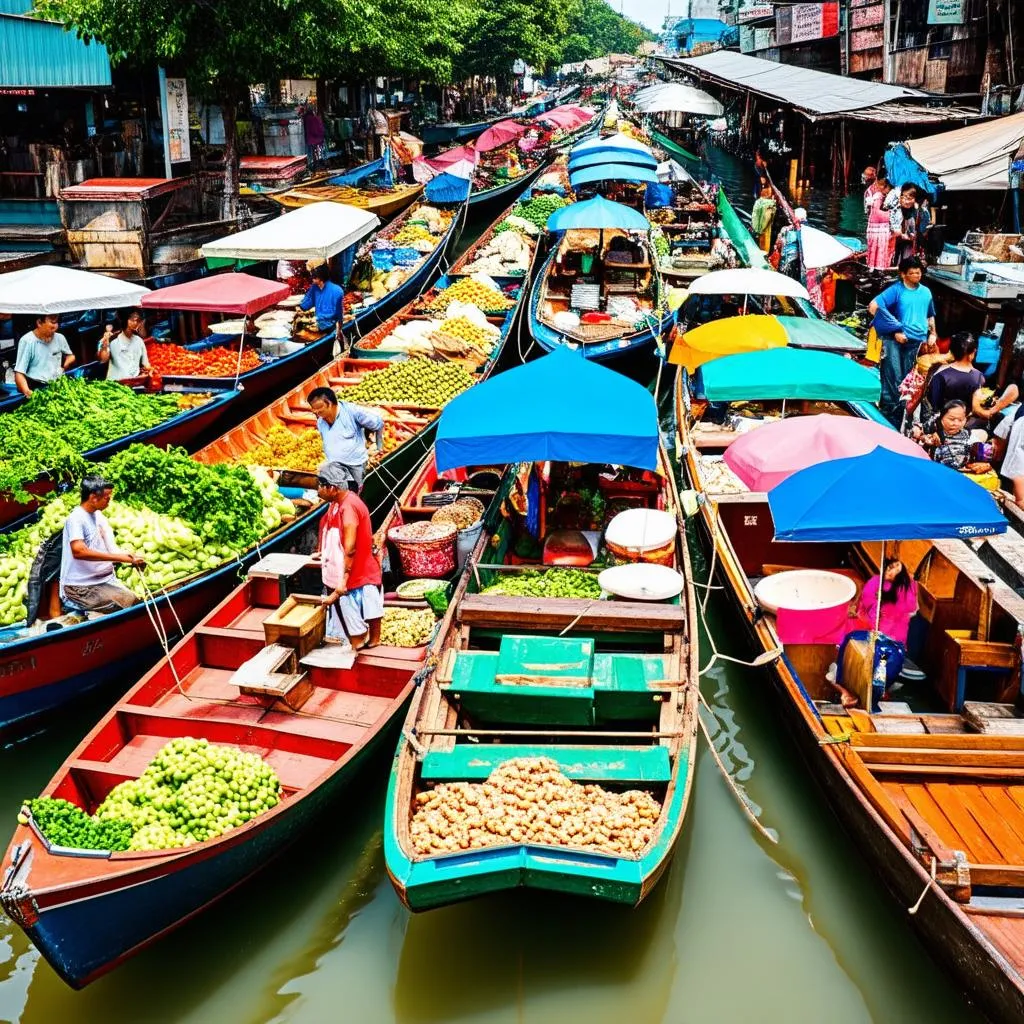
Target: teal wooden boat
{"points": [[605, 689], [673, 148]]}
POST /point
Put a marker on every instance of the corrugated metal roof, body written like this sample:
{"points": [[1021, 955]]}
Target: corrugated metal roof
{"points": [[818, 93], [42, 54]]}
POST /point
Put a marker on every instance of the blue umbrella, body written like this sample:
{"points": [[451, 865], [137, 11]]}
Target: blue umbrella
{"points": [[616, 143], [881, 496], [598, 213], [611, 172], [561, 407], [622, 156], [447, 188]]}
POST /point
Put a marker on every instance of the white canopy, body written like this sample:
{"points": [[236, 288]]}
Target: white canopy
{"points": [[975, 157], [676, 97], [820, 249], [748, 281], [49, 289], [670, 170], [319, 230]]}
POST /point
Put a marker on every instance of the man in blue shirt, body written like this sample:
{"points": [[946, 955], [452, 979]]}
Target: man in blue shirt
{"points": [[343, 428], [904, 319], [325, 297], [43, 355]]}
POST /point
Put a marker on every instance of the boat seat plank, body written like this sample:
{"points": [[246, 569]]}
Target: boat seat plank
{"points": [[474, 762], [838, 726], [1005, 840], [251, 620], [926, 806], [496, 611], [948, 797]]}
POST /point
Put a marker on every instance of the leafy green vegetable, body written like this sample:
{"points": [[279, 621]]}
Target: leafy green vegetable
{"points": [[547, 583], [221, 503], [71, 416], [64, 824]]}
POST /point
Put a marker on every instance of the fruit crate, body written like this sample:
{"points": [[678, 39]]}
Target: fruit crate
{"points": [[300, 623]]}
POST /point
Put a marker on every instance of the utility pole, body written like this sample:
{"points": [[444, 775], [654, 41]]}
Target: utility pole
{"points": [[886, 40]]}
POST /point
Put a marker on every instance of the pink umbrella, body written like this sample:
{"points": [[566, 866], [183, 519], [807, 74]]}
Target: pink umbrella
{"points": [[766, 456], [499, 134]]}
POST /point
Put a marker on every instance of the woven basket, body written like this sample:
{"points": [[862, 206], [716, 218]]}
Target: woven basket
{"points": [[432, 558]]}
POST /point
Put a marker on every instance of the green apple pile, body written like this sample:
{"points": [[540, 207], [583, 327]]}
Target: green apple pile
{"points": [[191, 791]]}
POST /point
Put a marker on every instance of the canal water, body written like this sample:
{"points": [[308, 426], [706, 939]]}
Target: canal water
{"points": [[739, 930]]}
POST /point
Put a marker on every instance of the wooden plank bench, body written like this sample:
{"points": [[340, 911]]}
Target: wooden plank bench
{"points": [[498, 611]]}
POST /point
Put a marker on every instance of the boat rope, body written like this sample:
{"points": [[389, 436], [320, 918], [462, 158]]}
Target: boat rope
{"points": [[238, 363], [153, 613], [586, 608], [931, 881], [741, 797]]}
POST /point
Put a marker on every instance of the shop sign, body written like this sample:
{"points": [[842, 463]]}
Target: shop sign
{"points": [[867, 16], [754, 12], [803, 23], [945, 12], [176, 97], [17, 92]]}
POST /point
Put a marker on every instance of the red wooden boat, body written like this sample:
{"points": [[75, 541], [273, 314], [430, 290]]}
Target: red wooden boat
{"points": [[88, 911]]}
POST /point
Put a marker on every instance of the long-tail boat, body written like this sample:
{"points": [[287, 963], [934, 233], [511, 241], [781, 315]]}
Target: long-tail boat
{"points": [[603, 691], [87, 911], [930, 787]]}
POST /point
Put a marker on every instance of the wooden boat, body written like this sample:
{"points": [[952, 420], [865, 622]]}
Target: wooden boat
{"points": [[444, 132], [88, 911], [181, 429], [385, 202], [673, 148], [34, 676], [469, 717], [481, 198], [551, 293], [930, 788]]}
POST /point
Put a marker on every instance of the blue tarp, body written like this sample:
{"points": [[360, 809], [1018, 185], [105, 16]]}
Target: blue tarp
{"points": [[881, 496], [611, 172], [598, 213], [364, 171], [901, 167], [447, 188], [561, 407], [616, 143], [657, 197]]}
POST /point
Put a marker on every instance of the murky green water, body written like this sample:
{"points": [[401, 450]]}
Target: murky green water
{"points": [[738, 931]]}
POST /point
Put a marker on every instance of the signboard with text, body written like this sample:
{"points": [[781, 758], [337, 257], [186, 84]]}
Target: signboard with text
{"points": [[946, 12], [176, 97], [754, 12], [803, 23]]}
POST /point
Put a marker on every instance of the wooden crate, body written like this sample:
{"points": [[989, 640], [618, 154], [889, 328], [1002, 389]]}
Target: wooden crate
{"points": [[300, 623]]}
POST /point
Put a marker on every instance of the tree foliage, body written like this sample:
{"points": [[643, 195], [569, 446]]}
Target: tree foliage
{"points": [[599, 30]]}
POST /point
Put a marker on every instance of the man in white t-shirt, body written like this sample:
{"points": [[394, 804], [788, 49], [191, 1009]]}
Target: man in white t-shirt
{"points": [[89, 555], [125, 355]]}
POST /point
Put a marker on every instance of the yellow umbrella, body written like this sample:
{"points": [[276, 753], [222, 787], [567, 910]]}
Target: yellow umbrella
{"points": [[725, 338]]}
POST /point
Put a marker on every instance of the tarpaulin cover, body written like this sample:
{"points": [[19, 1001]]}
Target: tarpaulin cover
{"points": [[612, 172], [50, 289], [561, 407], [566, 118], [320, 230], [748, 281], [763, 458], [682, 98], [447, 188], [499, 134], [364, 171], [610, 144], [881, 496], [238, 294], [817, 92], [595, 158], [598, 213], [975, 157]]}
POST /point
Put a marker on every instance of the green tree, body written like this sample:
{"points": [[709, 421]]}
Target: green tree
{"points": [[510, 30], [599, 30], [224, 46]]}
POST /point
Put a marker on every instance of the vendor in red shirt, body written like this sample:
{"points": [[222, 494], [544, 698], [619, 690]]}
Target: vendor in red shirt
{"points": [[351, 571]]}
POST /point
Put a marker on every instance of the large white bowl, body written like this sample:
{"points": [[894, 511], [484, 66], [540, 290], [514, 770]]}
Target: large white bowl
{"points": [[804, 590], [642, 581]]}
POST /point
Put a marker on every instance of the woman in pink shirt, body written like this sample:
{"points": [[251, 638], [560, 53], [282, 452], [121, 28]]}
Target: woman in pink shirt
{"points": [[899, 603]]}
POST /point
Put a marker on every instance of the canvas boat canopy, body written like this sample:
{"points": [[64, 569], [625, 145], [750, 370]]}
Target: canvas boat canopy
{"points": [[598, 213], [55, 290], [977, 157], [318, 231], [235, 294], [612, 172]]}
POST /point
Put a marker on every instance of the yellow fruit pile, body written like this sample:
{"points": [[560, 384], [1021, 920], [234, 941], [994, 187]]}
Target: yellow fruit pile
{"points": [[463, 328], [406, 627], [528, 800], [467, 290], [411, 233], [283, 449]]}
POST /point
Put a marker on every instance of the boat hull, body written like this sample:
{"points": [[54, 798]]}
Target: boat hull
{"points": [[484, 199], [85, 934]]}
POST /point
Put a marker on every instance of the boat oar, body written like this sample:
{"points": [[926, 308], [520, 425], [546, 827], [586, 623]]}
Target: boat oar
{"points": [[741, 797]]}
